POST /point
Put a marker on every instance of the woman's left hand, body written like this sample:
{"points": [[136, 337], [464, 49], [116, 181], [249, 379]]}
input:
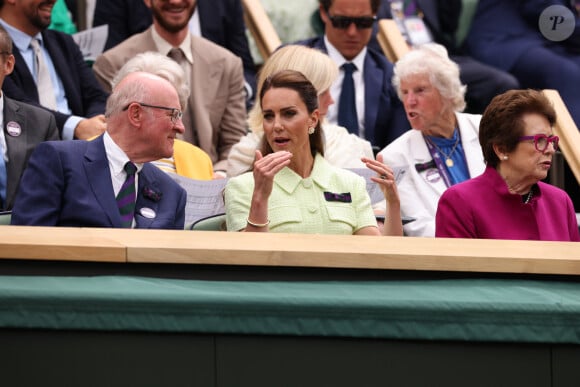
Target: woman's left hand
{"points": [[385, 178]]}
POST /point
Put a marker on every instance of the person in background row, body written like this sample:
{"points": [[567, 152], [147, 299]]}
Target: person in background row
{"points": [[341, 149], [442, 148], [367, 104], [521, 37], [221, 21], [440, 21], [187, 160], [509, 201], [23, 127], [292, 188], [109, 182], [215, 115], [50, 70]]}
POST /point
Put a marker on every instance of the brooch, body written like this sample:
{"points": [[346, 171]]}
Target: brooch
{"points": [[337, 197], [152, 195]]}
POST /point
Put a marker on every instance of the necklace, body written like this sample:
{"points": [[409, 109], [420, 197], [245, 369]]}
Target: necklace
{"points": [[529, 196], [448, 161]]}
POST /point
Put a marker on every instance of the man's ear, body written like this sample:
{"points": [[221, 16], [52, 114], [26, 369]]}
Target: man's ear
{"points": [[9, 65], [135, 114]]}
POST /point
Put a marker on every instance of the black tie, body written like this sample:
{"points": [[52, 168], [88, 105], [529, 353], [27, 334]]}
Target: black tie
{"points": [[346, 107]]}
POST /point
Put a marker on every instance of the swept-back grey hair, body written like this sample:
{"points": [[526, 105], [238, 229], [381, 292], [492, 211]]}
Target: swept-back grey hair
{"points": [[431, 60], [160, 65]]}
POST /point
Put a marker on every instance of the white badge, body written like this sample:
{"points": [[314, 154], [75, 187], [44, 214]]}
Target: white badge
{"points": [[13, 128], [147, 213]]}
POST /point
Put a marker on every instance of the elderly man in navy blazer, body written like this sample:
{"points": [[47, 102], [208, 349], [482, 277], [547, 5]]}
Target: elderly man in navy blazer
{"points": [[380, 117], [79, 100], [109, 182]]}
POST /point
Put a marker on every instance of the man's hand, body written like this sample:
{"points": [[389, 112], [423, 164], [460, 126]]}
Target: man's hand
{"points": [[90, 127]]}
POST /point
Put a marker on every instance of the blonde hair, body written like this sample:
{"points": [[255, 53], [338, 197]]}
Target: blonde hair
{"points": [[315, 65]]}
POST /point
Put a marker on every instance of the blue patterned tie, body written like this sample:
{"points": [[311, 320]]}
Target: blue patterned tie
{"points": [[346, 106], [126, 196]]}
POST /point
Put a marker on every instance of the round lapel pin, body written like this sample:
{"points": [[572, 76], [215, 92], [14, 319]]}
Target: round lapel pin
{"points": [[147, 213], [13, 128]]}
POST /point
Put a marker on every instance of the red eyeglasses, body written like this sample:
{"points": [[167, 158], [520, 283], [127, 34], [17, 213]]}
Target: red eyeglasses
{"points": [[541, 141]]}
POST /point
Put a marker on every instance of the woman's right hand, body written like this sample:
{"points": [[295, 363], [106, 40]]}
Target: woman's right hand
{"points": [[265, 168]]}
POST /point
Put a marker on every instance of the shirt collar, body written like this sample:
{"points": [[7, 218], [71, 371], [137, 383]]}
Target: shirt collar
{"points": [[21, 40], [289, 180], [164, 47], [117, 158], [337, 57]]}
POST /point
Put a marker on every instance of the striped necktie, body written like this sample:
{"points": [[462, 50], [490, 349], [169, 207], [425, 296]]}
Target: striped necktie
{"points": [[126, 196]]}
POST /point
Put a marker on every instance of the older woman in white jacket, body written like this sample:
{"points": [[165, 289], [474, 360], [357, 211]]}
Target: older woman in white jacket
{"points": [[342, 149], [442, 148]]}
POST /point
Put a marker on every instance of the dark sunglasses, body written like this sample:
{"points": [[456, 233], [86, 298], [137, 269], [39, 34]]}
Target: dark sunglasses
{"points": [[343, 22]]}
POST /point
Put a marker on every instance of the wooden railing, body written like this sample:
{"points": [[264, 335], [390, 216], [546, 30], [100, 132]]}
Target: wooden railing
{"points": [[288, 250], [391, 40], [261, 27], [567, 130]]}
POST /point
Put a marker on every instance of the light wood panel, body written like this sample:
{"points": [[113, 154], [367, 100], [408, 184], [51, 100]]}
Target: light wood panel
{"points": [[391, 40], [59, 243], [261, 27], [345, 251], [567, 130], [289, 250]]}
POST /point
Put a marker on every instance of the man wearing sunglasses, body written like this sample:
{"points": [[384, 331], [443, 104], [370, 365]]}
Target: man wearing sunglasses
{"points": [[367, 104]]}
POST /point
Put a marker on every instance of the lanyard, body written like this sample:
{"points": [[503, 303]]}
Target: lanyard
{"points": [[439, 163]]}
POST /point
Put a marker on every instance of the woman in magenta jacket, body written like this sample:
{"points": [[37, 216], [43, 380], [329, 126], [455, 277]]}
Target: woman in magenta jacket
{"points": [[509, 201]]}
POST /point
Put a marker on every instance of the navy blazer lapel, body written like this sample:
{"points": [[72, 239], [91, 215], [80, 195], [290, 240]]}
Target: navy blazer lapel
{"points": [[21, 71], [146, 204], [96, 167]]}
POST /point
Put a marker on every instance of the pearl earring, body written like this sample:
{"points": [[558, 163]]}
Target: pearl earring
{"points": [[310, 130], [505, 157]]}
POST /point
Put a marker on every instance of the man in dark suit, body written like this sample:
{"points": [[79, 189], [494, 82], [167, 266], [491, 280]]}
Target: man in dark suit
{"points": [[24, 127], [79, 99], [441, 18], [347, 31], [80, 183], [221, 21]]}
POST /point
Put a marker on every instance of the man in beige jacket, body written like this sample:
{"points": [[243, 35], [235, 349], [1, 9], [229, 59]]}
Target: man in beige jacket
{"points": [[215, 118]]}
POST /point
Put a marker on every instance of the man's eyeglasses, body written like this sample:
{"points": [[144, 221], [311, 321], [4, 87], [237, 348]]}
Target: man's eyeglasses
{"points": [[343, 22], [175, 115], [541, 141]]}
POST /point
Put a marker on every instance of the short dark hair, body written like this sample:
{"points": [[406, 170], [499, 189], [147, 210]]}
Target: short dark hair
{"points": [[295, 80], [326, 4], [502, 121]]}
